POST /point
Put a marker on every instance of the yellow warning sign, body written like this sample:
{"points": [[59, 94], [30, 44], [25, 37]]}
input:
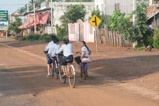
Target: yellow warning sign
{"points": [[95, 21]]}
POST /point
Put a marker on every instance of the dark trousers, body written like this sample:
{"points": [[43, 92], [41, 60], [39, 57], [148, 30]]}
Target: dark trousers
{"points": [[84, 66]]}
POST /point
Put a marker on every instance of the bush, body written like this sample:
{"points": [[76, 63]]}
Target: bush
{"points": [[46, 37], [156, 43], [40, 38], [148, 41], [61, 32], [156, 39], [30, 38], [36, 38]]}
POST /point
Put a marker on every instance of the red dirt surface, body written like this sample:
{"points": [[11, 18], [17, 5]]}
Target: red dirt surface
{"points": [[132, 72]]}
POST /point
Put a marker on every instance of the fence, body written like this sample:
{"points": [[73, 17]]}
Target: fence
{"points": [[84, 31], [111, 38], [81, 31]]}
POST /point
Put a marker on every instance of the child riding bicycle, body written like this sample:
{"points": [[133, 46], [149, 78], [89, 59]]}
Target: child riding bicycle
{"points": [[68, 54], [84, 59], [52, 51]]}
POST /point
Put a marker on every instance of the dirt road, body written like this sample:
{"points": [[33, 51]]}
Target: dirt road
{"points": [[121, 78]]}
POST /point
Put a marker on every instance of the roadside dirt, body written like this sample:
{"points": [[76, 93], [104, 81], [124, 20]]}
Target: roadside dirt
{"points": [[117, 77]]}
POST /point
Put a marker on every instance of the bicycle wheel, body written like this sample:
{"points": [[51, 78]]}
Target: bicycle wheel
{"points": [[51, 70], [62, 79], [72, 76], [84, 72], [55, 73], [55, 70]]}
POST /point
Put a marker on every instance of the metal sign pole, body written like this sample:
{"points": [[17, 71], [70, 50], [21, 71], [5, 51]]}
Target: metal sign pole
{"points": [[6, 34], [51, 18], [95, 21], [97, 39]]}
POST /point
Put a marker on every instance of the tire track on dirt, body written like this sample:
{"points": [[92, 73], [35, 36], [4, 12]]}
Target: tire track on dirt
{"points": [[26, 52], [128, 86]]}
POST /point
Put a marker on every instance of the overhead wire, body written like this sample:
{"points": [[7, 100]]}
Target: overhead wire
{"points": [[12, 4]]}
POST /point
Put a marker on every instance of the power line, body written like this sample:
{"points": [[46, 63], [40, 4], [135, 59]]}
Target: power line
{"points": [[12, 4]]}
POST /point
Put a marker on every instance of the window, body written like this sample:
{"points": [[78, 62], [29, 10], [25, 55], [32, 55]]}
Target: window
{"points": [[117, 7], [155, 1], [97, 7]]}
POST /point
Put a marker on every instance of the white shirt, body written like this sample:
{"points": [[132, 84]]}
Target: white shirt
{"points": [[53, 49], [67, 50], [84, 49], [49, 46]]}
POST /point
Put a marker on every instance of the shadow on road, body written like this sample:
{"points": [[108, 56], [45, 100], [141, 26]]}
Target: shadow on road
{"points": [[19, 44], [101, 72]]}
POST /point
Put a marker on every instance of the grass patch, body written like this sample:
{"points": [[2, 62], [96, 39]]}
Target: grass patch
{"points": [[38, 38]]}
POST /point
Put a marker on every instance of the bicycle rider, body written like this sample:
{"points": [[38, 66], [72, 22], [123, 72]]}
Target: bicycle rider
{"points": [[85, 57], [50, 44], [68, 54], [52, 51]]}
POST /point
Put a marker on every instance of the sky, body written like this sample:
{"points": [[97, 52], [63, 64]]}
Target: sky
{"points": [[12, 5]]}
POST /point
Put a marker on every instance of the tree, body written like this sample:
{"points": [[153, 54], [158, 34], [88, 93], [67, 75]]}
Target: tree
{"points": [[120, 23], [79, 0], [72, 14], [141, 33], [14, 25]]}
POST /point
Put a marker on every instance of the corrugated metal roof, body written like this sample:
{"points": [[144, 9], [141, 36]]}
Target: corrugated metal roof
{"points": [[152, 10]]}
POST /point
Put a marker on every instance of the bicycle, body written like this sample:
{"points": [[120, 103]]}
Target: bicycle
{"points": [[83, 68], [70, 74], [56, 65], [54, 68]]}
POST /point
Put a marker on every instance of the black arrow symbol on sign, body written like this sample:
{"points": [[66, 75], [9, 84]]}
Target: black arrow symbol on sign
{"points": [[95, 21]]}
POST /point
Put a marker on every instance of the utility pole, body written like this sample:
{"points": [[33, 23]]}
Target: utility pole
{"points": [[106, 17], [34, 17], [134, 8], [28, 21], [51, 19]]}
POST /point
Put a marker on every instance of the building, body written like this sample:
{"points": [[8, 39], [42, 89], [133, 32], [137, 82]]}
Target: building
{"points": [[153, 16], [60, 7], [151, 2], [42, 18], [13, 15], [108, 7]]}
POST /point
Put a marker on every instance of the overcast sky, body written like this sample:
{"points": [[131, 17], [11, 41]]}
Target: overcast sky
{"points": [[11, 5]]}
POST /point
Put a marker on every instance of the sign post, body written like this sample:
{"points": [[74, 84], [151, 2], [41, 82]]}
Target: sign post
{"points": [[95, 21], [4, 21]]}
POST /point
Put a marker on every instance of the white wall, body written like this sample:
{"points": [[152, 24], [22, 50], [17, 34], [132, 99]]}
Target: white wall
{"points": [[99, 4], [126, 6], [60, 7], [150, 2]]}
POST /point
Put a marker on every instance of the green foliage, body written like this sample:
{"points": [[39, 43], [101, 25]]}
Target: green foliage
{"points": [[156, 43], [141, 20], [140, 48], [61, 32], [120, 23], [79, 0], [72, 14], [101, 16], [140, 33], [156, 39], [39, 38], [14, 25], [148, 41], [36, 38]]}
